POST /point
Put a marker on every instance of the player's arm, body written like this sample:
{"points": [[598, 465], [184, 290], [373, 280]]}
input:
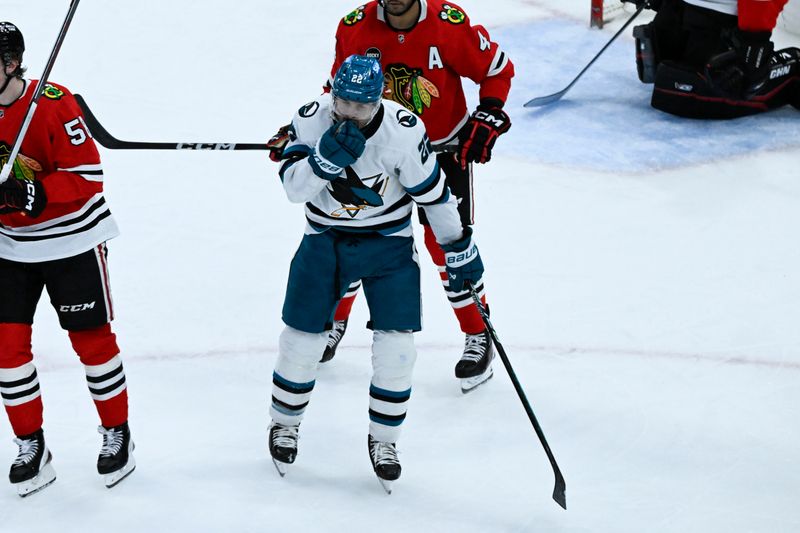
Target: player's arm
{"points": [[472, 54], [311, 164]]}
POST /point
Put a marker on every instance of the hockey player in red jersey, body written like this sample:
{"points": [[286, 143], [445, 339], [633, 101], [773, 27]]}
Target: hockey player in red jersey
{"points": [[426, 47], [715, 58], [54, 223]]}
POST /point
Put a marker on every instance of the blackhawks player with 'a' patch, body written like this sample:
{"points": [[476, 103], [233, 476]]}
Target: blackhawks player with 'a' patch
{"points": [[54, 224], [426, 47]]}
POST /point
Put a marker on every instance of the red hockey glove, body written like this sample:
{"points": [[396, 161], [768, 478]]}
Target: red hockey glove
{"points": [[278, 142], [22, 195], [476, 139]]}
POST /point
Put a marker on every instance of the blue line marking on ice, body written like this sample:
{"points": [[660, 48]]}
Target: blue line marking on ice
{"points": [[605, 122]]}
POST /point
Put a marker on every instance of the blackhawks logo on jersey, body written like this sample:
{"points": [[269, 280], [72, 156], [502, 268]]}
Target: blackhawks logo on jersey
{"points": [[452, 14], [409, 88], [24, 167], [354, 16], [52, 92]]}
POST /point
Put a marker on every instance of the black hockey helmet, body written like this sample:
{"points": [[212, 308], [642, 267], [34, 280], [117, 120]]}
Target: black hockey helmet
{"points": [[12, 45]]}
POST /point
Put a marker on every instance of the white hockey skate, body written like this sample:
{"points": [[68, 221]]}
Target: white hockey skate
{"points": [[475, 366], [32, 470]]}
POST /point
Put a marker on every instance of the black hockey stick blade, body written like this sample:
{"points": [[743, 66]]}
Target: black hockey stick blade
{"points": [[102, 136], [550, 98], [560, 488]]}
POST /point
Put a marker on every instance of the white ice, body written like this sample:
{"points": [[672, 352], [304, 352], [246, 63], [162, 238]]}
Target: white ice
{"points": [[646, 289]]}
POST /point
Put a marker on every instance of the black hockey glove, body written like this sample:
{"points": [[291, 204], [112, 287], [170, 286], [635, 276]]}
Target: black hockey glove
{"points": [[339, 147], [648, 4], [476, 139], [462, 262], [744, 66], [278, 142], [22, 195]]}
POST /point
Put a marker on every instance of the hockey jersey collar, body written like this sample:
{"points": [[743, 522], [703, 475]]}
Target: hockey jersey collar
{"points": [[370, 129], [423, 13]]}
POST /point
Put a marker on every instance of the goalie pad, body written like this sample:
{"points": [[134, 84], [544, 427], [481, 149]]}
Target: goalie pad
{"points": [[681, 90]]}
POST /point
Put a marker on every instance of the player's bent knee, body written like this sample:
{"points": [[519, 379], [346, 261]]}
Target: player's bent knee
{"points": [[94, 346], [393, 354], [301, 348]]}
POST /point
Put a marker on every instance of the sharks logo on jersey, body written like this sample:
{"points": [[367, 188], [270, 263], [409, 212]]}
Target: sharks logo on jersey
{"points": [[356, 194]]}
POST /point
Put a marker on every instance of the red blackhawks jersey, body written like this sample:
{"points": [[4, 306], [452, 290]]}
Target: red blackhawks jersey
{"points": [[59, 152], [423, 65]]}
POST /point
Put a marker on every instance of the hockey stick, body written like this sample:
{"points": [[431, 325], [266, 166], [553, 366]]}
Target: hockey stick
{"points": [[550, 98], [101, 135], [559, 492], [106, 140], [37, 93]]}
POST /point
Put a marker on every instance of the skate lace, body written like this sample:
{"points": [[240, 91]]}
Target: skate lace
{"points": [[113, 439], [383, 453], [28, 448], [336, 333], [474, 348], [284, 436]]}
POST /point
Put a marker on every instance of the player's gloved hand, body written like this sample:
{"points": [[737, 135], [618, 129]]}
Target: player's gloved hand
{"points": [[477, 137], [22, 195], [746, 63], [648, 4], [278, 142], [462, 262], [339, 147]]}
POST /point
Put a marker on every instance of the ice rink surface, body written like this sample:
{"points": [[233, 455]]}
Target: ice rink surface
{"points": [[643, 273]]}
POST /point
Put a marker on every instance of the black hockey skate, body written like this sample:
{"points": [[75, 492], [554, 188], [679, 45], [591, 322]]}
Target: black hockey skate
{"points": [[283, 445], [115, 461], [475, 366], [335, 337], [32, 470], [384, 461]]}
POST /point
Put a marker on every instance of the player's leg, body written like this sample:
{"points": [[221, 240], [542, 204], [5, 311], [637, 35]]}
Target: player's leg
{"points": [[661, 39], [21, 286], [311, 295], [475, 365], [80, 291], [393, 297]]}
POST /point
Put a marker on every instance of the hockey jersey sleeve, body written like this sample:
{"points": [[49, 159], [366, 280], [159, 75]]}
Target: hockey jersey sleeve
{"points": [[759, 15], [423, 180], [472, 54], [299, 181]]}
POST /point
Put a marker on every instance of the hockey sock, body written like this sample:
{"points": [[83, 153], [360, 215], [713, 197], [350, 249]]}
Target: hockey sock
{"points": [[98, 351], [295, 374], [469, 318], [393, 358], [19, 382], [346, 303]]}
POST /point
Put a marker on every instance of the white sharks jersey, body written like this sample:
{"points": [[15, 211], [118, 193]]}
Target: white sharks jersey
{"points": [[375, 193]]}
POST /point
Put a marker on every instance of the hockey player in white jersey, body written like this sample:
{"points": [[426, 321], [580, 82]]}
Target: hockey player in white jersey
{"points": [[358, 163]]}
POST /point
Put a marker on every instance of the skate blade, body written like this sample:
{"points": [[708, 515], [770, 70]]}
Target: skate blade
{"points": [[386, 484], [281, 467], [45, 478], [114, 478], [470, 384]]}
